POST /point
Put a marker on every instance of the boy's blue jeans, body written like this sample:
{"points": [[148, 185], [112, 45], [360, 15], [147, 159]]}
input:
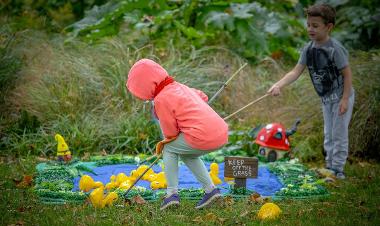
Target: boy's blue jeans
{"points": [[336, 133], [191, 157]]}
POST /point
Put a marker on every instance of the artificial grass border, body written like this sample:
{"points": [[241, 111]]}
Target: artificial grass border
{"points": [[299, 182]]}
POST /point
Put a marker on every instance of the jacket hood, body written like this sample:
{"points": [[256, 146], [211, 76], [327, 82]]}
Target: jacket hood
{"points": [[144, 77]]}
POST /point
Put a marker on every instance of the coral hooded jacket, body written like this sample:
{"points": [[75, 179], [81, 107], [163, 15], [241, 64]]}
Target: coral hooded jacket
{"points": [[178, 107]]}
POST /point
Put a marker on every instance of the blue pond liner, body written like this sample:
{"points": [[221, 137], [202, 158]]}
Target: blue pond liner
{"points": [[266, 184]]}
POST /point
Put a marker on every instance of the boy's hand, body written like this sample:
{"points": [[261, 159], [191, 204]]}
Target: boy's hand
{"points": [[343, 105], [274, 90]]}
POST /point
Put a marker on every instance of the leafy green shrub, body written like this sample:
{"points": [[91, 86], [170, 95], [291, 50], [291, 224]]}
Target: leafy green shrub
{"points": [[51, 15], [358, 23], [252, 30]]}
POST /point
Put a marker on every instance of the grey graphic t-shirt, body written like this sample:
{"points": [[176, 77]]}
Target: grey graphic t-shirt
{"points": [[327, 82]]}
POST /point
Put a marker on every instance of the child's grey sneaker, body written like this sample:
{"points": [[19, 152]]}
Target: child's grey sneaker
{"points": [[340, 175], [170, 201], [209, 198]]}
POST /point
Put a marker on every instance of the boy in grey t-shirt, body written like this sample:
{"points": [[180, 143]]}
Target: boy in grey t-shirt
{"points": [[330, 73]]}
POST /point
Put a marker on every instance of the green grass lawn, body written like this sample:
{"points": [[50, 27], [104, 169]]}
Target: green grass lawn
{"points": [[354, 201]]}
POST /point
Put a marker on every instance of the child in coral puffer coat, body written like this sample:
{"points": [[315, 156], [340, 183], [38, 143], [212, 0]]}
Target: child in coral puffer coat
{"points": [[184, 114]]}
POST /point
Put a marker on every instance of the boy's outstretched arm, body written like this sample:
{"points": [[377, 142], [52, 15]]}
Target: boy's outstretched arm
{"points": [[290, 77], [347, 86]]}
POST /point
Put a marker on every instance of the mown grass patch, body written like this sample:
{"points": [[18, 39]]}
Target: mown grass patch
{"points": [[352, 201]]}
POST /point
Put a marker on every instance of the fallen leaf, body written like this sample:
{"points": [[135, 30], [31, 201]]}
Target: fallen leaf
{"points": [[138, 200], [129, 220], [198, 219], [321, 213], [221, 220], [42, 159], [25, 182], [127, 202], [256, 198], [245, 213], [228, 201], [210, 217], [86, 156], [276, 55], [17, 181], [21, 209], [267, 199]]}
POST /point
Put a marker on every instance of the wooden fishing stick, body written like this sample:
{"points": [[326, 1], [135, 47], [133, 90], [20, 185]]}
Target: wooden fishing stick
{"points": [[138, 179], [226, 83], [253, 102]]}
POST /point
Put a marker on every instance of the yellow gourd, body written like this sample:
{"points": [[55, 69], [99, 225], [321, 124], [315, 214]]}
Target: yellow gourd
{"points": [[269, 211]]}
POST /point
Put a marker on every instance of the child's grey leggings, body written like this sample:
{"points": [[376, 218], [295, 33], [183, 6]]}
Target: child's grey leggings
{"points": [[179, 148], [336, 133]]}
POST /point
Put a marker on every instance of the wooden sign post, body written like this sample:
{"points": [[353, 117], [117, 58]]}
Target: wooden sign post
{"points": [[240, 168]]}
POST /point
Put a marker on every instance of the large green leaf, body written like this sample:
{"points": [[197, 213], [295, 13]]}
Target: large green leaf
{"points": [[246, 10], [102, 18], [220, 20]]}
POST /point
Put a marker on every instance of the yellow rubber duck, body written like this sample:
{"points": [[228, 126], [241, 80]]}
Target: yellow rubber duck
{"points": [[158, 185], [120, 178], [86, 183], [63, 152], [126, 184], [110, 199], [112, 184], [152, 177], [214, 171], [99, 201], [159, 182], [134, 175], [96, 197], [269, 211], [141, 169]]}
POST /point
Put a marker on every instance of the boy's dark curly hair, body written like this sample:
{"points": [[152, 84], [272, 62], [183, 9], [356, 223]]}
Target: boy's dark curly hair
{"points": [[325, 11]]}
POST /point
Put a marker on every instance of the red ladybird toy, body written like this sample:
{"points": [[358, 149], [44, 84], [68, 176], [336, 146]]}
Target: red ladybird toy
{"points": [[274, 141]]}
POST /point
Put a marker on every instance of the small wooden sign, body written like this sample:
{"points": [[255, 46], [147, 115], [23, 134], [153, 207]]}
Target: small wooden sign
{"points": [[240, 167]]}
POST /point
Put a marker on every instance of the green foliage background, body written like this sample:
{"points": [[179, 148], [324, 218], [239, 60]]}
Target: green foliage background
{"points": [[64, 64]]}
